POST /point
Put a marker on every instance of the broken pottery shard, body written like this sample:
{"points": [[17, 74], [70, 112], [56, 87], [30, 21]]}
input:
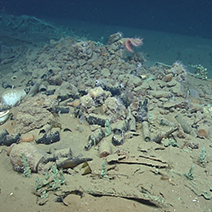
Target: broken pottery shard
{"points": [[114, 37], [95, 138], [72, 162], [160, 94], [96, 119]]}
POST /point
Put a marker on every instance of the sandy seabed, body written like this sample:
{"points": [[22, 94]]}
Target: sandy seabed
{"points": [[148, 176]]}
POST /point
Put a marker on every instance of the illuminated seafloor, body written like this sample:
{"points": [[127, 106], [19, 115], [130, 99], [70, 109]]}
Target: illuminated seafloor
{"points": [[89, 122]]}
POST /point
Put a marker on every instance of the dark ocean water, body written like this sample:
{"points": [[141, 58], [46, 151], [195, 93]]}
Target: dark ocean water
{"points": [[187, 17]]}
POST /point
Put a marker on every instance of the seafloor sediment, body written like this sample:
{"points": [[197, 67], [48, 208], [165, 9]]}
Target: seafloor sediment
{"points": [[104, 123]]}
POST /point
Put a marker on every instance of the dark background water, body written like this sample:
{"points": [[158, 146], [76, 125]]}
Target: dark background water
{"points": [[188, 17]]}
